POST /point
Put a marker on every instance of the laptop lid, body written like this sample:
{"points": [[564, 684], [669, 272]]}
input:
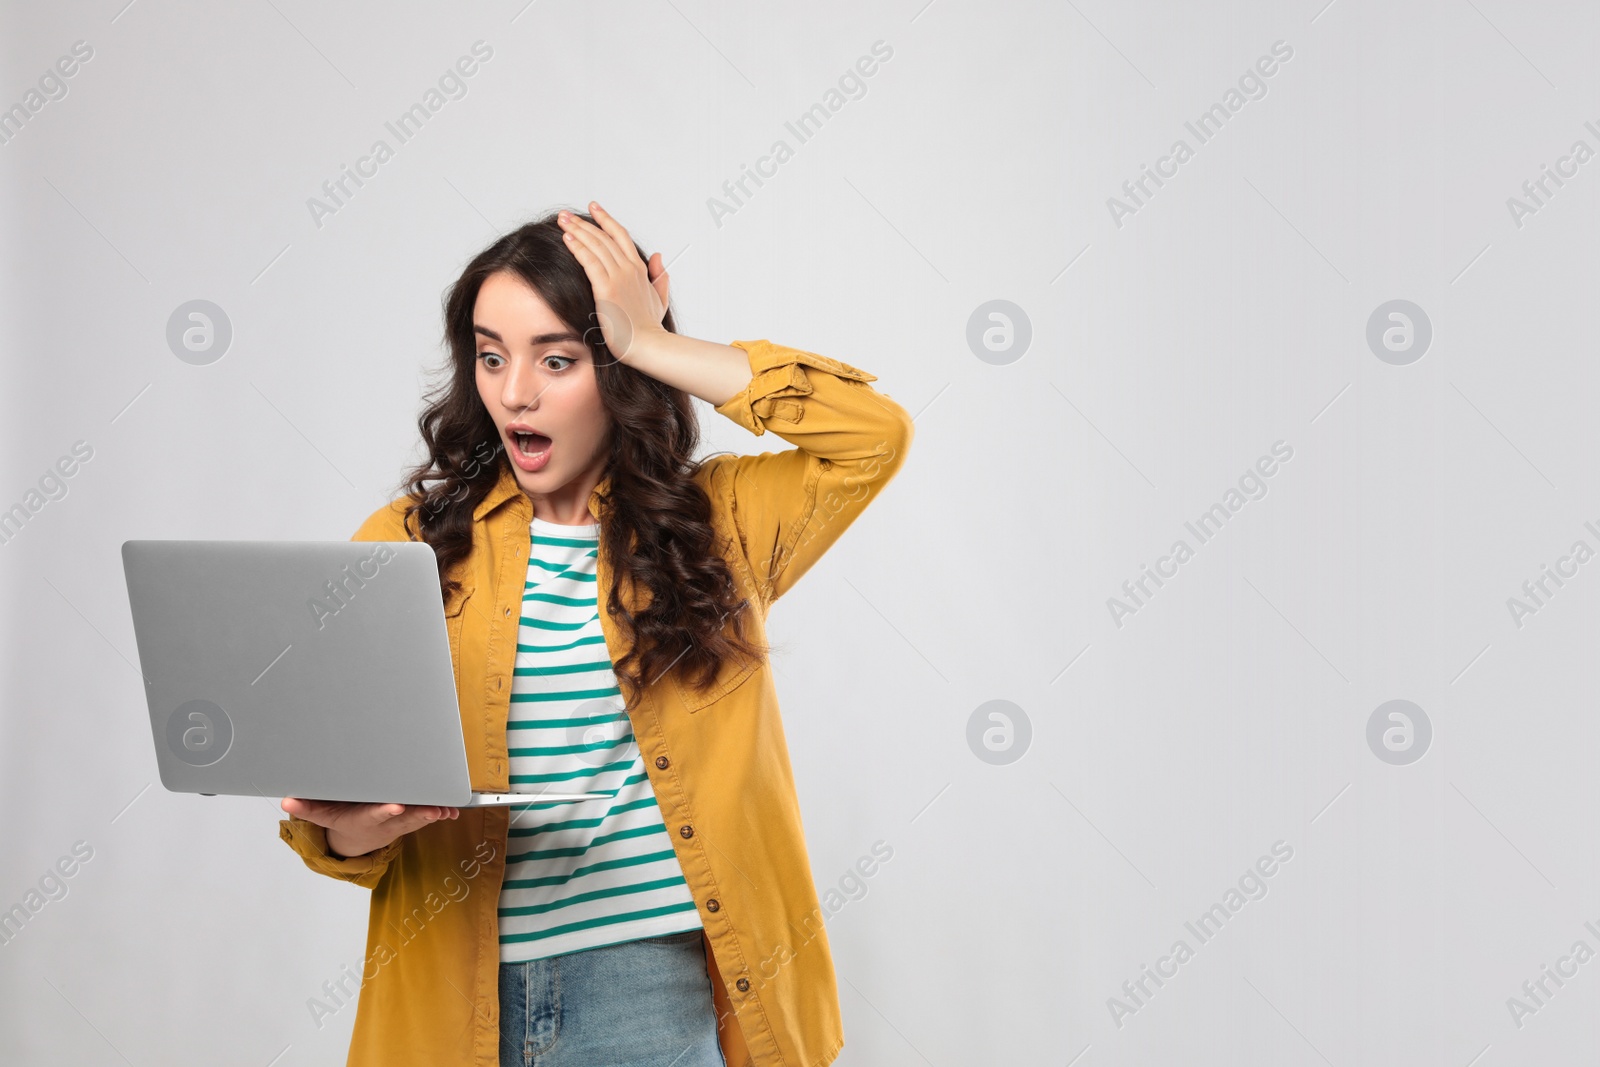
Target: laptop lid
{"points": [[314, 669]]}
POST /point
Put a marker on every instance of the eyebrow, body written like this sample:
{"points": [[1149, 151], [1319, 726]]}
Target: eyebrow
{"points": [[538, 339]]}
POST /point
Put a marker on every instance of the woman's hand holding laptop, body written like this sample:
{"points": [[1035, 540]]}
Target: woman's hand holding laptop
{"points": [[354, 829]]}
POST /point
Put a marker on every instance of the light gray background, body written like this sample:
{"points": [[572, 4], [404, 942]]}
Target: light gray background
{"points": [[1167, 355]]}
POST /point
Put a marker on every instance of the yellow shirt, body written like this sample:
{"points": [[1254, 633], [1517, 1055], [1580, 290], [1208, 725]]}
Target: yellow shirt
{"points": [[717, 759]]}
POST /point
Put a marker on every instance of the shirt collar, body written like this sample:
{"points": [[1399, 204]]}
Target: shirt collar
{"points": [[507, 489]]}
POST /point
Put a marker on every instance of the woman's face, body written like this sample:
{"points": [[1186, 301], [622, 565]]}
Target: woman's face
{"points": [[536, 375]]}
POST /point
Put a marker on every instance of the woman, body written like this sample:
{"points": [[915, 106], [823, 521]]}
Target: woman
{"points": [[675, 922]]}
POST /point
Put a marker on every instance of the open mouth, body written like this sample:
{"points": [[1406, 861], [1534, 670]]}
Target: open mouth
{"points": [[530, 450], [531, 444]]}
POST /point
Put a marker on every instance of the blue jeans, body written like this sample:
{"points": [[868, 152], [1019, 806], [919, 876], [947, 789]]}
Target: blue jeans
{"points": [[643, 1003]]}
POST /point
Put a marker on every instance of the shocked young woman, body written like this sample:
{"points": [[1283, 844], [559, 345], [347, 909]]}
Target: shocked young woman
{"points": [[606, 596]]}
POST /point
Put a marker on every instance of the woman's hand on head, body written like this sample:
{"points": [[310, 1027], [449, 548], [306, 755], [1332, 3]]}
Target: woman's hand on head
{"points": [[356, 828], [630, 295]]}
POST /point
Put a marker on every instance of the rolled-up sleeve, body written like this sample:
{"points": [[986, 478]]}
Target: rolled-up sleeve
{"points": [[310, 841], [789, 507]]}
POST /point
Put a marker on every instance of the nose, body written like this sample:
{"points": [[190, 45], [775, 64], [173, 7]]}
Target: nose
{"points": [[522, 387]]}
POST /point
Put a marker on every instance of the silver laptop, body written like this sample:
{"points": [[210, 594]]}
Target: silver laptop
{"points": [[311, 669]]}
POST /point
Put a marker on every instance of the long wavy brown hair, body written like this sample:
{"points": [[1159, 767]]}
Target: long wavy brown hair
{"points": [[655, 520]]}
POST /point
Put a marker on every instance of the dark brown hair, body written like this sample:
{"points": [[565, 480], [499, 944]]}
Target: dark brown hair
{"points": [[655, 520]]}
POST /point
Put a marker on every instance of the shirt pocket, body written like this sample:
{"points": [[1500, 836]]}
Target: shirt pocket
{"points": [[455, 616], [458, 601], [729, 677]]}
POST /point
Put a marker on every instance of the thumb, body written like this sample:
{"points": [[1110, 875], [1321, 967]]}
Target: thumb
{"points": [[660, 280]]}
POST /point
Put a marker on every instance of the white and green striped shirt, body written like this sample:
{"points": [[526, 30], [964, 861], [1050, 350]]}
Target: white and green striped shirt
{"points": [[597, 872]]}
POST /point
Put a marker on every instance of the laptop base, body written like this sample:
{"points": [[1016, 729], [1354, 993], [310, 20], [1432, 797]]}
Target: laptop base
{"points": [[495, 800]]}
